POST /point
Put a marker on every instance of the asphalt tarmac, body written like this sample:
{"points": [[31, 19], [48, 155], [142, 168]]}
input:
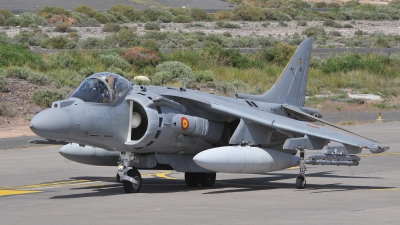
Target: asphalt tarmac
{"points": [[38, 186]]}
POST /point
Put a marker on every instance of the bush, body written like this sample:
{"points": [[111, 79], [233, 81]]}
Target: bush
{"points": [[173, 71], [335, 33], [18, 72], [205, 76], [114, 60], [8, 109], [152, 26], [4, 15], [198, 14], [59, 42], [124, 38], [38, 78], [249, 13], [223, 15], [179, 11], [91, 43], [111, 27], [182, 19], [4, 84], [63, 60], [48, 11], [140, 57], [332, 23], [314, 31], [86, 10], [302, 23], [63, 28], [45, 97], [67, 77], [153, 15], [17, 55], [126, 10]]}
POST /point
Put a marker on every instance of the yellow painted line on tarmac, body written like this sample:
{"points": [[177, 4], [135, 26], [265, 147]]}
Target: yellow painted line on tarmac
{"points": [[16, 192], [165, 175], [386, 189], [50, 184], [293, 168]]}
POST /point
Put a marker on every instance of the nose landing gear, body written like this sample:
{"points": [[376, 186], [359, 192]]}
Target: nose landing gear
{"points": [[131, 178]]}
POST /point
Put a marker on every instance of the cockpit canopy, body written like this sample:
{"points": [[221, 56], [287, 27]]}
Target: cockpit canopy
{"points": [[104, 87]]}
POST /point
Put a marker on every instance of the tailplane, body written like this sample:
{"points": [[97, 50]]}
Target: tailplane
{"points": [[290, 88]]}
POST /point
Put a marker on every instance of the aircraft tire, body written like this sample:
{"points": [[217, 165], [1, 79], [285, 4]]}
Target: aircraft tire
{"points": [[300, 182], [192, 179], [118, 178], [130, 187], [207, 179]]}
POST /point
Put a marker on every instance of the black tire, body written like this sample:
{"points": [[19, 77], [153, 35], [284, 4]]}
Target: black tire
{"points": [[192, 179], [300, 182], [130, 187], [118, 178], [207, 179]]}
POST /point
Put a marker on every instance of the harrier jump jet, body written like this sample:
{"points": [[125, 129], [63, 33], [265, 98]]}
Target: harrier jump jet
{"points": [[108, 121]]}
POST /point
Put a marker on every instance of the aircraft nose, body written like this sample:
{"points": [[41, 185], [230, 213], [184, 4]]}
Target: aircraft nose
{"points": [[51, 123]]}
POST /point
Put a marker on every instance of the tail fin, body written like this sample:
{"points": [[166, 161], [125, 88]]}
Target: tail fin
{"points": [[290, 88]]}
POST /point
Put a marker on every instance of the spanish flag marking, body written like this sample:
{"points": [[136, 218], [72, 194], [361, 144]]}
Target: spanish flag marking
{"points": [[184, 123]]}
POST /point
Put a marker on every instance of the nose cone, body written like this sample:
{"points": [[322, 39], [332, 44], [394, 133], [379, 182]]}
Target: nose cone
{"points": [[51, 124]]}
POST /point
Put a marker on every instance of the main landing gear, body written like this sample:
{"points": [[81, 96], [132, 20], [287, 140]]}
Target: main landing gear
{"points": [[131, 178], [301, 178], [203, 179]]}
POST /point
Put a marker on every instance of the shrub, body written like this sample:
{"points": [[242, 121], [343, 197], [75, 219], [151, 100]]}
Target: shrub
{"points": [[48, 11], [28, 18], [178, 11], [332, 23], [335, 33], [114, 60], [223, 15], [38, 78], [126, 10], [63, 60], [140, 57], [395, 4], [182, 19], [89, 22], [8, 109], [302, 23], [150, 44], [4, 83], [4, 15], [86, 10], [66, 77], [63, 28], [347, 25], [111, 27], [198, 14], [18, 72], [124, 38], [382, 42], [45, 97], [17, 55], [173, 71], [91, 43], [153, 15], [223, 24], [23, 36], [314, 31], [205, 76], [152, 26], [249, 13], [59, 42]]}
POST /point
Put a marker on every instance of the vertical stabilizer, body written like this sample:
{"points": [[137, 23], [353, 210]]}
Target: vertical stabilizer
{"points": [[290, 88]]}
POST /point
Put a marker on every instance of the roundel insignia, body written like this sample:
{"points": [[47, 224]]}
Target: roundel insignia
{"points": [[184, 123]]}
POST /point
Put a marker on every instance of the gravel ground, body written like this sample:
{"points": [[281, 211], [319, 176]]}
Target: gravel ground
{"points": [[247, 29]]}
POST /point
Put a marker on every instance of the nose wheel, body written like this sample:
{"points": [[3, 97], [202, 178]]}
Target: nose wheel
{"points": [[301, 178], [131, 178]]}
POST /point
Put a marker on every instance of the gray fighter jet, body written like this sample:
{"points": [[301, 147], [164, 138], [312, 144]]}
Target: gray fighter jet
{"points": [[108, 121]]}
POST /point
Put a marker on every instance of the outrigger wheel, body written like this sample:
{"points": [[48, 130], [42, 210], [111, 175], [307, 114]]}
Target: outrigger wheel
{"points": [[130, 187]]}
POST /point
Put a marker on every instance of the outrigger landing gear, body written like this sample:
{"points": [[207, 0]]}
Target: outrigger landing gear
{"points": [[204, 179], [301, 178], [131, 178]]}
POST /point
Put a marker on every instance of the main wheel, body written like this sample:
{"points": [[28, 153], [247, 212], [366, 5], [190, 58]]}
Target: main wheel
{"points": [[300, 182], [192, 179], [130, 187], [207, 179]]}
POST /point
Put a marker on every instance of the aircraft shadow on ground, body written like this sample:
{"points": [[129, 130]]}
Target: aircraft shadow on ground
{"points": [[109, 187]]}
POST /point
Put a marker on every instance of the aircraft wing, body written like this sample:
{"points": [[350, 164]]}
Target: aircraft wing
{"points": [[294, 126], [291, 126]]}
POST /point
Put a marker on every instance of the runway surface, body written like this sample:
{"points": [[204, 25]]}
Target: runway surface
{"points": [[38, 186]]}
